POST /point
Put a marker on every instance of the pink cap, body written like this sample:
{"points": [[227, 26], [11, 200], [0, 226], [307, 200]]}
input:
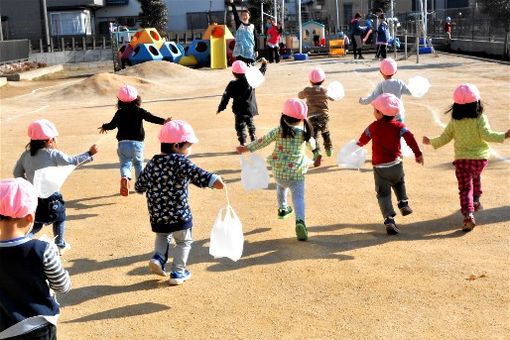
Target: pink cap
{"points": [[465, 94], [388, 67], [239, 67], [18, 197], [42, 129], [388, 104], [316, 75], [295, 108], [127, 93], [177, 131]]}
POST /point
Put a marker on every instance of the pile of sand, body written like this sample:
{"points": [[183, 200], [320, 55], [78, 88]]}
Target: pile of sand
{"points": [[160, 69]]}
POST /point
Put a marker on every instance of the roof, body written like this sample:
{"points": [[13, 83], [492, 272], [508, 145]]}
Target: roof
{"points": [[313, 22]]}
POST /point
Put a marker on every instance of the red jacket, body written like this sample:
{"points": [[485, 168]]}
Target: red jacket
{"points": [[385, 137], [273, 35]]}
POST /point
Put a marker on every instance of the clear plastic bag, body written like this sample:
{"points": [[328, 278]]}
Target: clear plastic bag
{"points": [[405, 149], [50, 179], [227, 239], [254, 77], [351, 156], [335, 90], [254, 174], [418, 86]]}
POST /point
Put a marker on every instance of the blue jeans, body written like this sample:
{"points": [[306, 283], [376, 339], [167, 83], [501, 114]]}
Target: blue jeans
{"points": [[58, 231], [130, 153], [183, 240], [297, 189]]}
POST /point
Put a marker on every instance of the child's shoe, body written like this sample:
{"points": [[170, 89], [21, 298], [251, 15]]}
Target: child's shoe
{"points": [[301, 231], [284, 213], [178, 278], [157, 267], [124, 186], [317, 157], [329, 152], [469, 222], [63, 248], [478, 206], [391, 227], [404, 207]]}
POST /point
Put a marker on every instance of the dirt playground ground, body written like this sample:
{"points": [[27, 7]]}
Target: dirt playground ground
{"points": [[349, 281]]}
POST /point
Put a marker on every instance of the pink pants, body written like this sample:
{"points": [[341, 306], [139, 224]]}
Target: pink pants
{"points": [[468, 173]]}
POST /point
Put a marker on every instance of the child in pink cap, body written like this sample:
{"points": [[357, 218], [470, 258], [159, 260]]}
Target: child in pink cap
{"points": [[165, 181], [29, 269], [388, 68], [244, 103], [470, 129], [40, 153], [318, 111], [128, 120], [288, 160], [385, 134]]}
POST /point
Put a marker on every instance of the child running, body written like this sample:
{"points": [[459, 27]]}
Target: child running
{"points": [[40, 153], [244, 103], [165, 180], [470, 130], [318, 111], [385, 134], [288, 160], [128, 120], [30, 269], [388, 68]]}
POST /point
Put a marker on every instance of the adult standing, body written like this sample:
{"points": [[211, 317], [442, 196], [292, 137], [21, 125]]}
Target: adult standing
{"points": [[356, 31], [273, 39], [245, 48]]}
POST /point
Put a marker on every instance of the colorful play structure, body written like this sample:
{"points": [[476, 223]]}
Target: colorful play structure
{"points": [[214, 49]]}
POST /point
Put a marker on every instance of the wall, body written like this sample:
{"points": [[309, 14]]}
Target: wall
{"points": [[24, 19], [177, 10]]}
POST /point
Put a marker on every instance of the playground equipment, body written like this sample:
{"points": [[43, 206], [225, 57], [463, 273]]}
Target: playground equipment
{"points": [[221, 44], [171, 51], [336, 47]]}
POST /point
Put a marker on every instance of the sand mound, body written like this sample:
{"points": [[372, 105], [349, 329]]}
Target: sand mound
{"points": [[159, 69]]}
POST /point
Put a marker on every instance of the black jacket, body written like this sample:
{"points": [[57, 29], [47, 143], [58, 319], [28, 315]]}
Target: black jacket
{"points": [[129, 123]]}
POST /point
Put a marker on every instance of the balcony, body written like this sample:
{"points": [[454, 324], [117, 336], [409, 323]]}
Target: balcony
{"points": [[63, 4]]}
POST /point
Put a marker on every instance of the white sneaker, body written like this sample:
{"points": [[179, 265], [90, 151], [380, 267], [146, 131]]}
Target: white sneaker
{"points": [[178, 279], [156, 268]]}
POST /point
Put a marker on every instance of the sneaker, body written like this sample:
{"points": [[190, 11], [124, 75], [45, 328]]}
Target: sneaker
{"points": [[469, 222], [284, 213], [157, 268], [317, 157], [301, 231], [179, 278], [63, 249], [124, 186], [391, 227], [329, 152], [361, 57], [478, 206], [405, 209]]}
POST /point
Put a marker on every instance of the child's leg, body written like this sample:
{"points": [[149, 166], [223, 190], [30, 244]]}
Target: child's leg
{"points": [[183, 240], [328, 145], [383, 189], [58, 233], [161, 247], [281, 195], [297, 189], [316, 128], [240, 126], [251, 128], [125, 153], [477, 184], [398, 183], [36, 228], [464, 174], [138, 157]]}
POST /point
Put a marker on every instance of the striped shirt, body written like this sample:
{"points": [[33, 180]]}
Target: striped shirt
{"points": [[29, 269], [288, 159]]}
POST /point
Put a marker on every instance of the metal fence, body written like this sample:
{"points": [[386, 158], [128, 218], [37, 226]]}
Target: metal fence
{"points": [[14, 50]]}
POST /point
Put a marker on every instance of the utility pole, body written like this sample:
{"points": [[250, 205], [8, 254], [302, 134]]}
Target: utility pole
{"points": [[338, 17], [46, 25], [1, 29], [275, 14]]}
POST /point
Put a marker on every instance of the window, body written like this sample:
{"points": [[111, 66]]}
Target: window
{"points": [[70, 23], [200, 20]]}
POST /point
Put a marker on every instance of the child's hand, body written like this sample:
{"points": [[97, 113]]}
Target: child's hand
{"points": [[219, 184], [168, 120], [426, 140], [101, 130], [419, 159], [93, 150], [263, 61], [241, 149], [507, 134]]}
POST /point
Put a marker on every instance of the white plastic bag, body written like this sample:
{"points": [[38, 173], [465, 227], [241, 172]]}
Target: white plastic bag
{"points": [[418, 86], [351, 156], [227, 237], [405, 149], [50, 179], [254, 174], [254, 77], [335, 90]]}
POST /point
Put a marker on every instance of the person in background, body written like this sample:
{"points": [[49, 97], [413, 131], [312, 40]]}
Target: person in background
{"points": [[245, 48], [273, 39]]}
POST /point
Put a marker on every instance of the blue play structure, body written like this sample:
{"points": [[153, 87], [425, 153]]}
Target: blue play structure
{"points": [[201, 50], [171, 51], [145, 52]]}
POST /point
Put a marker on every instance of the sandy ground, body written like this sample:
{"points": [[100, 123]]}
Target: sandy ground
{"points": [[350, 280]]}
